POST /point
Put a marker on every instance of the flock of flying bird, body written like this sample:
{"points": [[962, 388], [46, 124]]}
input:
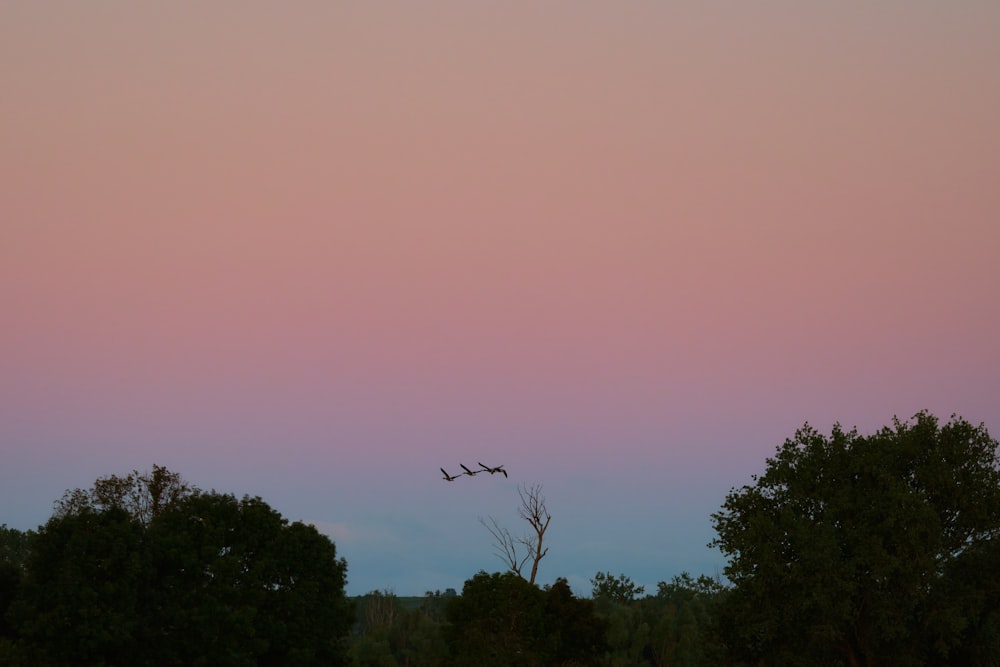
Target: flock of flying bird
{"points": [[473, 473]]}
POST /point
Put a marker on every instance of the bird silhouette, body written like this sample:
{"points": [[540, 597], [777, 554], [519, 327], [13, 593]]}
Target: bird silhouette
{"points": [[449, 478], [468, 472], [492, 471]]}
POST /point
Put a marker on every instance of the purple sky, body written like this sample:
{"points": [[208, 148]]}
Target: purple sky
{"points": [[623, 249]]}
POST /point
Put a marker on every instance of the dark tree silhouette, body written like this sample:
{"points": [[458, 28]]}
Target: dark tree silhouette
{"points": [[845, 547]]}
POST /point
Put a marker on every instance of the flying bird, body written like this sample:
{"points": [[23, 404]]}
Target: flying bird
{"points": [[449, 478], [492, 471], [467, 471]]}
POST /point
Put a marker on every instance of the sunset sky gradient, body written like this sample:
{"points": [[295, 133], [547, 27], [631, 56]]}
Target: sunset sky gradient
{"points": [[315, 251]]}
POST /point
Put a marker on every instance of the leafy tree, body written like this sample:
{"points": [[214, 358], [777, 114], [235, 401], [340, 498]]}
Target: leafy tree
{"points": [[495, 621], [80, 599], [966, 608], [574, 634], [389, 633], [238, 585], [843, 549], [620, 589], [14, 549], [205, 579], [502, 619], [14, 546], [671, 627], [683, 634], [142, 495], [417, 639], [685, 587]]}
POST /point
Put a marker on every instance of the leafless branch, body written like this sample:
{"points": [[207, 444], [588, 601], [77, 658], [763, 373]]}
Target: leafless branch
{"points": [[506, 546]]}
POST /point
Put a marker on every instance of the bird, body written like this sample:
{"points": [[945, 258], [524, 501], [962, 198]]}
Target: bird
{"points": [[492, 471], [467, 471], [449, 478]]}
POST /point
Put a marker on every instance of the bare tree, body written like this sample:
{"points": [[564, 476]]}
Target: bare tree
{"points": [[508, 548]]}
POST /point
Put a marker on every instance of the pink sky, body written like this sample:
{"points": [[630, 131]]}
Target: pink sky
{"points": [[623, 248]]}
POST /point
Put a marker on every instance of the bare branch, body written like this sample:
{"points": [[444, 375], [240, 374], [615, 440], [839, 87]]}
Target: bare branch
{"points": [[505, 545], [533, 511]]}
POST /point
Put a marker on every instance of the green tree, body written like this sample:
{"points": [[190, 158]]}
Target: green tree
{"points": [[14, 549], [682, 632], [620, 589], [671, 627], [840, 551], [205, 579], [142, 495], [238, 584], [80, 600], [495, 621], [388, 632], [502, 619], [574, 634], [417, 639], [967, 607]]}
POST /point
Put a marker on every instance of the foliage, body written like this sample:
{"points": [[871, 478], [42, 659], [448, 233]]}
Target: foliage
{"points": [[502, 619], [672, 627], [390, 631], [619, 589], [80, 602], [845, 548], [142, 495], [237, 582], [15, 546], [209, 580], [574, 634]]}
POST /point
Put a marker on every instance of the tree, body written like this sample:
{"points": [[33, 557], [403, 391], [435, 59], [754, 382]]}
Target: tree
{"points": [[393, 633], [671, 627], [142, 495], [575, 635], [501, 619], [620, 589], [508, 547], [80, 602], [14, 550], [495, 621], [683, 634], [842, 549], [202, 579], [236, 582]]}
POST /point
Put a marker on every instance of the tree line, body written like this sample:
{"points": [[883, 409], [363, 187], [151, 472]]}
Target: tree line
{"points": [[849, 549]]}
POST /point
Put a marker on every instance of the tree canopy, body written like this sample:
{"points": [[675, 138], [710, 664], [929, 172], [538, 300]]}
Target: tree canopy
{"points": [[852, 548], [147, 577], [502, 619], [618, 589], [142, 495]]}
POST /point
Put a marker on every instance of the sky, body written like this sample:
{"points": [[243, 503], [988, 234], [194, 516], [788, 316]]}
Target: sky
{"points": [[316, 251]]}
